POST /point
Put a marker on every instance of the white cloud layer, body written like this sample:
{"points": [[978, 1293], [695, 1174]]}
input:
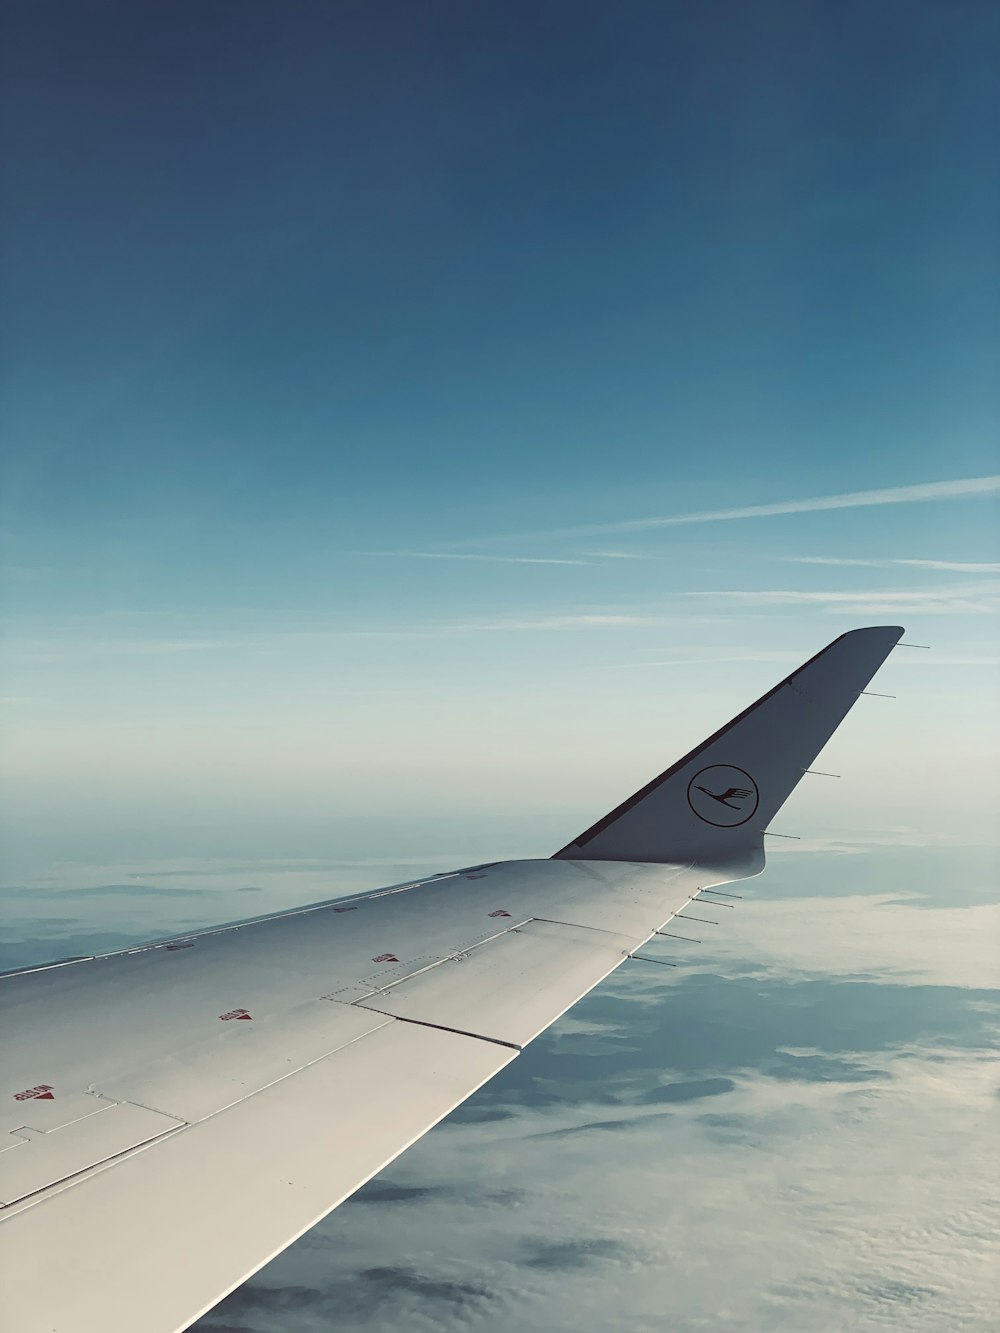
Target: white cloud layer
{"points": [[879, 936]]}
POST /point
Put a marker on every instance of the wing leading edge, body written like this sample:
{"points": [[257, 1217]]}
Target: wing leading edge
{"points": [[209, 1099]]}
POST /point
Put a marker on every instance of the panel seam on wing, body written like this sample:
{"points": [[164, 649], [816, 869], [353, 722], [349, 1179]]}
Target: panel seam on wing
{"points": [[443, 1027]]}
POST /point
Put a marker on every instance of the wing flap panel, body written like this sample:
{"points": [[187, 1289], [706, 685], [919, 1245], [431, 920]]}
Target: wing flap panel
{"points": [[241, 1059], [512, 987], [46, 1159], [199, 1211]]}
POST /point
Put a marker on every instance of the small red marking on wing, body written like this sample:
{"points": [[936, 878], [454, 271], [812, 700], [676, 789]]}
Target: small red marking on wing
{"points": [[345, 909], [385, 958], [499, 912], [235, 1013], [43, 1093]]}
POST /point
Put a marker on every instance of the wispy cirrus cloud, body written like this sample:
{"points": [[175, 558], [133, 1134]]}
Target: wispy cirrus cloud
{"points": [[981, 599], [719, 659], [960, 489], [922, 659], [949, 566], [281, 639], [586, 620], [479, 556], [621, 555]]}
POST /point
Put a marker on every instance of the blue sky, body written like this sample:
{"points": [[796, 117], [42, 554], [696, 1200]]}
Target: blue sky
{"points": [[345, 346], [445, 269]]}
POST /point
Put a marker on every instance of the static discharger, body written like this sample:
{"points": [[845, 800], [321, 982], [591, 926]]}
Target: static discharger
{"points": [[714, 904], [793, 837], [719, 894], [642, 958], [669, 936], [679, 916], [874, 694], [817, 773]]}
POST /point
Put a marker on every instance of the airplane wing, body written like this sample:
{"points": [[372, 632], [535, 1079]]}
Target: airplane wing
{"points": [[177, 1114]]}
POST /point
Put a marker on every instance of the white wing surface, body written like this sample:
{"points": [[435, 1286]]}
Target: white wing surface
{"points": [[177, 1114]]}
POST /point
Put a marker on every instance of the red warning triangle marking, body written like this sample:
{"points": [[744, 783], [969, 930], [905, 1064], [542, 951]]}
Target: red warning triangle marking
{"points": [[41, 1093], [385, 958], [235, 1013]]}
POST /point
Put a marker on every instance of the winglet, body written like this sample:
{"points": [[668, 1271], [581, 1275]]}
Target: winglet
{"points": [[712, 807]]}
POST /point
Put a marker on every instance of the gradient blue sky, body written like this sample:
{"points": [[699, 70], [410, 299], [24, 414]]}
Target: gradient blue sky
{"points": [[346, 343]]}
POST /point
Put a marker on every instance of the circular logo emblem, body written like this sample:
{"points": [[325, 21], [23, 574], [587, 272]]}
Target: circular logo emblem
{"points": [[723, 795]]}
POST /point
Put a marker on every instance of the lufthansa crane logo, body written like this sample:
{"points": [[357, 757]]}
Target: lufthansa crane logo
{"points": [[723, 795]]}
